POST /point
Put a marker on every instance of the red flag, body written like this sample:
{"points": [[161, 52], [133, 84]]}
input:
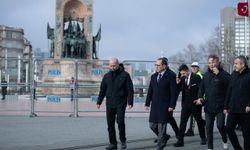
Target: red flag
{"points": [[243, 8]]}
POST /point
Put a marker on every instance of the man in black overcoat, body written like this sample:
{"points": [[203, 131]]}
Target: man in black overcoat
{"points": [[237, 105], [162, 96]]}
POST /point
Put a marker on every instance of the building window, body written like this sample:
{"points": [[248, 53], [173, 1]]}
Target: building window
{"points": [[9, 35]]}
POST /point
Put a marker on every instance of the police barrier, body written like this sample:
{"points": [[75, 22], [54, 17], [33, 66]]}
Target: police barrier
{"points": [[50, 91]]}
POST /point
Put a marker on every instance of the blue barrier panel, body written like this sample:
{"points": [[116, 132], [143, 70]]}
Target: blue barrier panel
{"points": [[54, 72], [96, 72], [94, 98], [53, 99]]}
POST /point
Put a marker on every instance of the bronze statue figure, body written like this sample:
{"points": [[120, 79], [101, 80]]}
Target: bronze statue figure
{"points": [[50, 35]]}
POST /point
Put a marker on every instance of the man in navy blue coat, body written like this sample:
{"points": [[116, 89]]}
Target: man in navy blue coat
{"points": [[162, 96]]}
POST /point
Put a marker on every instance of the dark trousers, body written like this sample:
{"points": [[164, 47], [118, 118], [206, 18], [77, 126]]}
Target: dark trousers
{"points": [[117, 114], [160, 130], [34, 93], [244, 121], [4, 92], [220, 120], [71, 94], [185, 114], [174, 125]]}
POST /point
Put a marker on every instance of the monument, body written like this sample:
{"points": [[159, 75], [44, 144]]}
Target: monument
{"points": [[73, 50], [72, 36]]}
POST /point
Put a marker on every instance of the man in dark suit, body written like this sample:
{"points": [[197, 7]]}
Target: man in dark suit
{"points": [[189, 85], [162, 96]]}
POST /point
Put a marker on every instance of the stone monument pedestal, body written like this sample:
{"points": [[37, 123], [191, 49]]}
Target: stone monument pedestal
{"points": [[57, 74]]}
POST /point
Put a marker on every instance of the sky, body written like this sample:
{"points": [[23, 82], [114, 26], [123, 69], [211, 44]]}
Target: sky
{"points": [[131, 29]]}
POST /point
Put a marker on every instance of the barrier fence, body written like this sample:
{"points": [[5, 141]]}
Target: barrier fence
{"points": [[45, 87]]}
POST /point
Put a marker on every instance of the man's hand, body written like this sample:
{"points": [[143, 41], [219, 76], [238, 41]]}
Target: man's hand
{"points": [[199, 101], [178, 80], [98, 106], [216, 70], [170, 109], [130, 106], [247, 109], [146, 108]]}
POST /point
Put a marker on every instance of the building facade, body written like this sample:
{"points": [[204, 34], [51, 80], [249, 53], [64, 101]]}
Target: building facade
{"points": [[234, 34], [15, 52]]}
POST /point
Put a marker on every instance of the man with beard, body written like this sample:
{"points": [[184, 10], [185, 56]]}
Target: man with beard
{"points": [[189, 85], [237, 105], [214, 85]]}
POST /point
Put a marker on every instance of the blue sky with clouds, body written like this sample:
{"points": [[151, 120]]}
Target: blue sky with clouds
{"points": [[131, 29]]}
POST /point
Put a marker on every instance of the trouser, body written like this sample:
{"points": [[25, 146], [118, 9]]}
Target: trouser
{"points": [[191, 123], [185, 114], [220, 120], [34, 93], [174, 125], [244, 121], [71, 94], [160, 130], [117, 114], [4, 92]]}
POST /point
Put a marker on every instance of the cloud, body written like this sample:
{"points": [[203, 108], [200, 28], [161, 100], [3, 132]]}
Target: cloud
{"points": [[131, 29]]}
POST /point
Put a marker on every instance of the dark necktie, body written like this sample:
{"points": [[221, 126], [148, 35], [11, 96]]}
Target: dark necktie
{"points": [[159, 78], [186, 81]]}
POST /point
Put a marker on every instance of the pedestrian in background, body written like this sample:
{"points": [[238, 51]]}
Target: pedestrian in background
{"points": [[162, 96], [72, 88], [214, 85], [237, 105], [4, 86], [34, 89], [117, 87]]}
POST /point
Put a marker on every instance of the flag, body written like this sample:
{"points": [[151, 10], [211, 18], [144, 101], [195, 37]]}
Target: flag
{"points": [[243, 8], [98, 35]]}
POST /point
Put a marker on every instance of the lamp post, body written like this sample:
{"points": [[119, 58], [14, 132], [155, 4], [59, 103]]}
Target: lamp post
{"points": [[6, 63]]}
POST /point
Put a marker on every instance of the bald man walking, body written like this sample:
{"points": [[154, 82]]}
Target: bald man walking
{"points": [[117, 87]]}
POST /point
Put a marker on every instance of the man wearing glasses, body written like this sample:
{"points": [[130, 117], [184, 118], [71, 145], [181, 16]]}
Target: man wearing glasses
{"points": [[162, 95]]}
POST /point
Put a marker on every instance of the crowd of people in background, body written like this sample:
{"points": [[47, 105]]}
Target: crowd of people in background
{"points": [[225, 98]]}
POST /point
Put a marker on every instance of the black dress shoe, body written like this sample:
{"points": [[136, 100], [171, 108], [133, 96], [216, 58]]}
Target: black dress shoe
{"points": [[203, 141], [111, 147], [156, 140], [189, 133], [123, 145], [167, 137], [179, 144], [160, 147]]}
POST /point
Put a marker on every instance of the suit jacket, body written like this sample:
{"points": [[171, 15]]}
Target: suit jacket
{"points": [[161, 96], [189, 92]]}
